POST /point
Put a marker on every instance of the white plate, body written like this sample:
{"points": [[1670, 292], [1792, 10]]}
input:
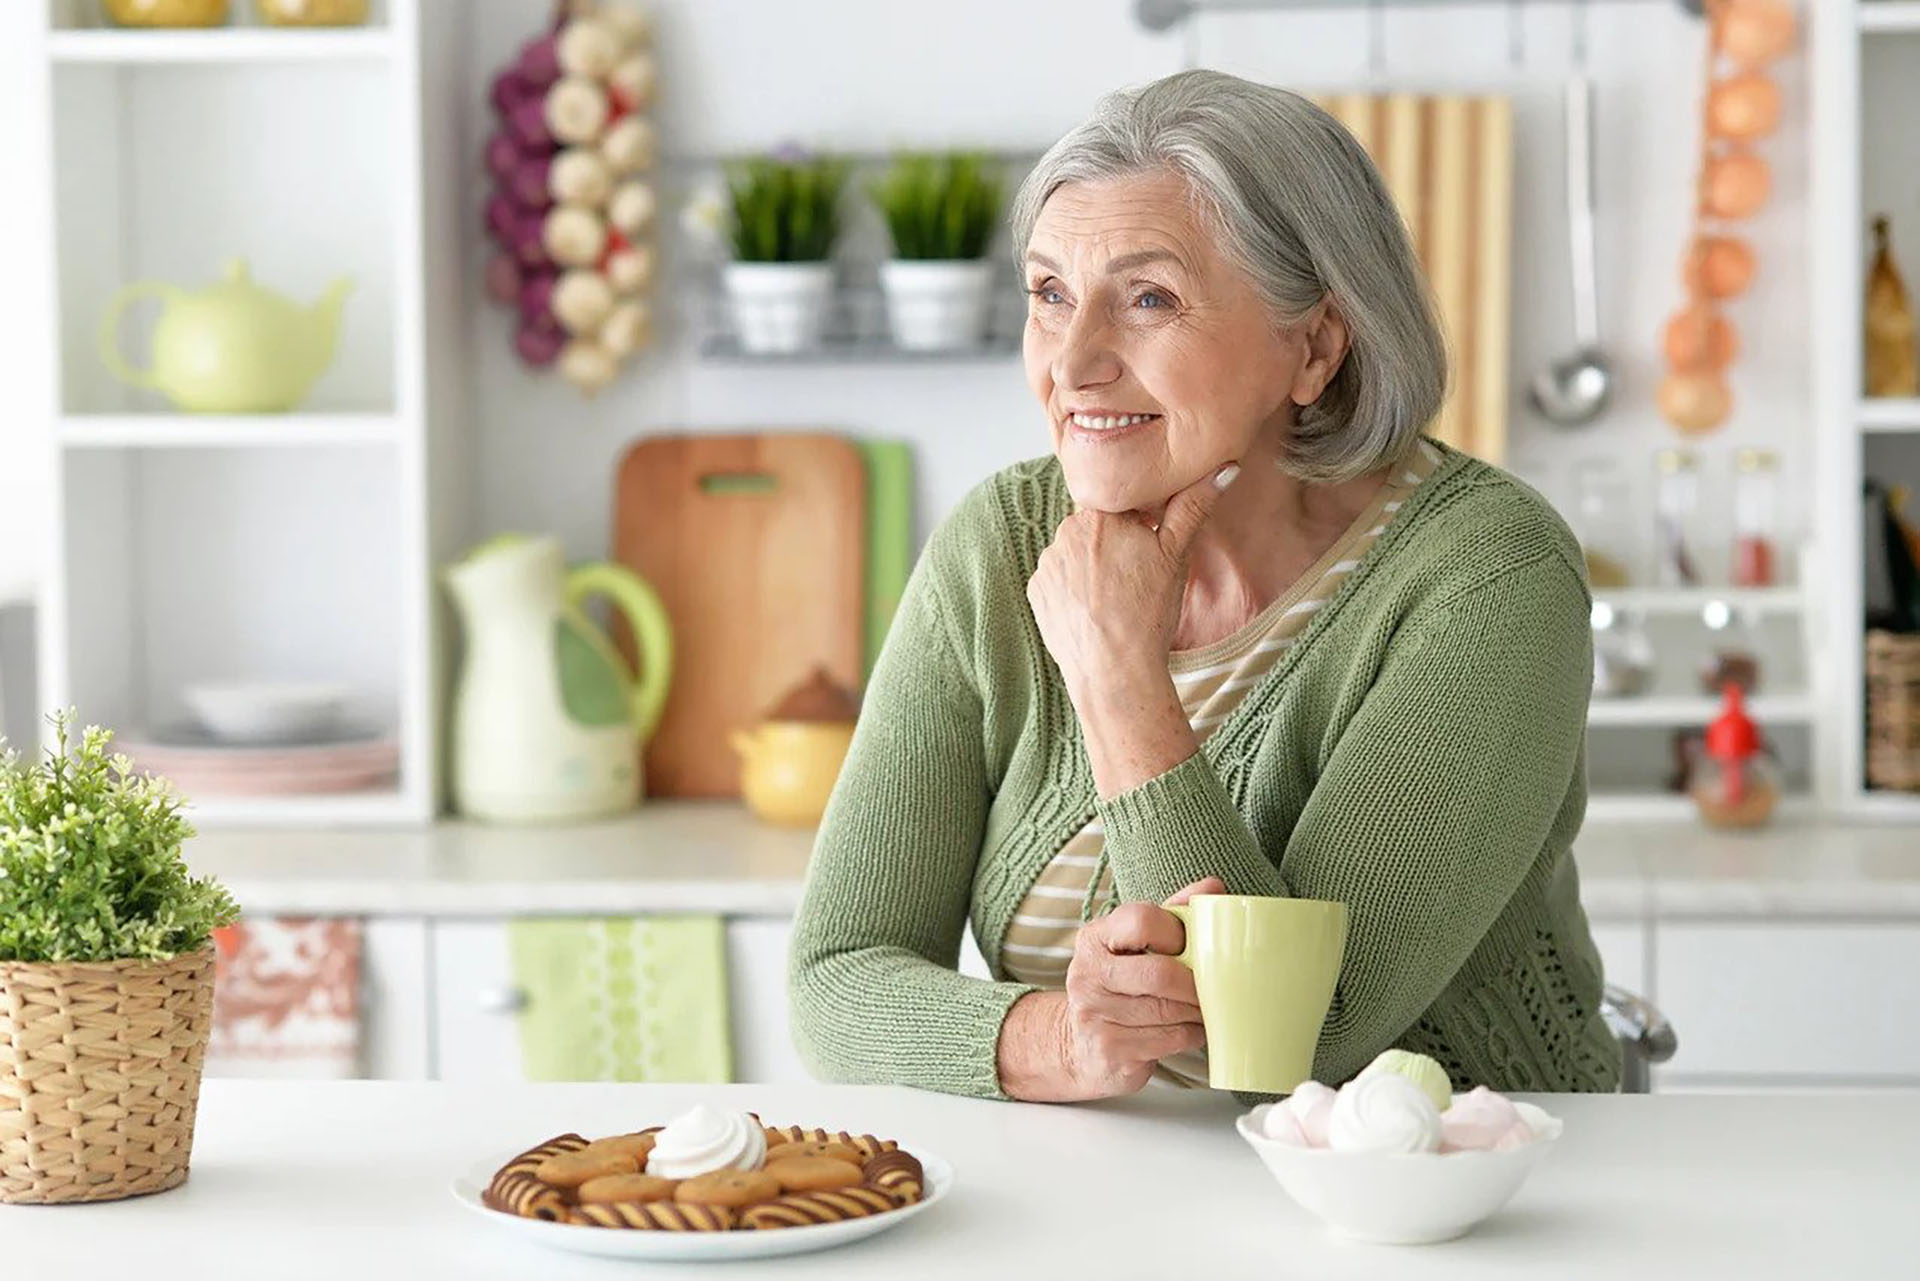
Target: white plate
{"points": [[633, 1243]]}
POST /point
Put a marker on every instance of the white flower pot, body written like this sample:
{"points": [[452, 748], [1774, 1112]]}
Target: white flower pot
{"points": [[937, 306], [779, 306]]}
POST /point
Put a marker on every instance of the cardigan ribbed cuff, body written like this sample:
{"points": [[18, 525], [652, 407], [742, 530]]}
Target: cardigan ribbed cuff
{"points": [[1177, 828], [902, 1020]]}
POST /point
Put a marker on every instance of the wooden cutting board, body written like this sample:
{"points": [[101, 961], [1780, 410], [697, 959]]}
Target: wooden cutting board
{"points": [[756, 544]]}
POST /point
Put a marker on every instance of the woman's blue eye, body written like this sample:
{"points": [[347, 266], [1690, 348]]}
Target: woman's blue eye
{"points": [[1161, 299]]}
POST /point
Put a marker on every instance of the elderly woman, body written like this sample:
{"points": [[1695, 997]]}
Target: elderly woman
{"points": [[1245, 630]]}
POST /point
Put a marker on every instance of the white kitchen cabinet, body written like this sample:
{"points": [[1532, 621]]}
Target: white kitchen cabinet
{"points": [[1623, 955], [393, 999], [1791, 1003], [475, 1001]]}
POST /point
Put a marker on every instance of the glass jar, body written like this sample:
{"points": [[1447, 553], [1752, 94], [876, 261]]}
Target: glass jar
{"points": [[1756, 538], [1622, 655], [1734, 780], [1676, 518], [1600, 522]]}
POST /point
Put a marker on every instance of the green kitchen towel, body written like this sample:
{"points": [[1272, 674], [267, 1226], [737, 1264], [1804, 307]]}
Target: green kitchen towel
{"points": [[623, 998], [889, 536]]}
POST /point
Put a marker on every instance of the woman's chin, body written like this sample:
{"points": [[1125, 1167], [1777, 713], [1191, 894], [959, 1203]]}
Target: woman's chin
{"points": [[1096, 492]]}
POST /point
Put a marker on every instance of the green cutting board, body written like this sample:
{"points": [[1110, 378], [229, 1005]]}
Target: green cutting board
{"points": [[889, 537]]}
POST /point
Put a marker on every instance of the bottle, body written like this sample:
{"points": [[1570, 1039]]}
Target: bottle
{"points": [[1733, 784], [1600, 522], [1888, 340], [1676, 508], [1756, 560]]}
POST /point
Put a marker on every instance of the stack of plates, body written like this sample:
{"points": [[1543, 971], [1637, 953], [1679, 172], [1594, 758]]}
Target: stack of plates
{"points": [[198, 764]]}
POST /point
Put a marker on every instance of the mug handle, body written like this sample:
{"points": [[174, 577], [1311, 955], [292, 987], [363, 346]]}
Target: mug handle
{"points": [[1185, 912]]}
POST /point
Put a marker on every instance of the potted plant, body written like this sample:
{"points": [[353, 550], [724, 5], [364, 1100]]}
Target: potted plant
{"points": [[784, 219], [106, 976], [942, 212]]}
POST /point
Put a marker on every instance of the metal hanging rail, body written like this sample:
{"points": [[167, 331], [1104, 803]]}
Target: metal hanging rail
{"points": [[1159, 15]]}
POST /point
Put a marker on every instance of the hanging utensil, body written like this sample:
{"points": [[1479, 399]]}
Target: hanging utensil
{"points": [[1575, 389]]}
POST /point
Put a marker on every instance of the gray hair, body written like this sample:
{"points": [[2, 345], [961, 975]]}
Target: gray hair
{"points": [[1297, 203]]}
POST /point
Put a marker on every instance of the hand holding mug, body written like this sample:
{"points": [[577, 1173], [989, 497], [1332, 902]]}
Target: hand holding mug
{"points": [[1128, 1003]]}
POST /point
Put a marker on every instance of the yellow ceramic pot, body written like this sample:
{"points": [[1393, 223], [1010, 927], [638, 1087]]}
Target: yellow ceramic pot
{"points": [[312, 13], [788, 768], [167, 13]]}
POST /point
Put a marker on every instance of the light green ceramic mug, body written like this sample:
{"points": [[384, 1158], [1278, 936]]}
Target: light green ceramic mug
{"points": [[1265, 969]]}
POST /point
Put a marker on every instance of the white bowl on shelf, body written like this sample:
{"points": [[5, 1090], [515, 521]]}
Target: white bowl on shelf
{"points": [[267, 711], [1397, 1198]]}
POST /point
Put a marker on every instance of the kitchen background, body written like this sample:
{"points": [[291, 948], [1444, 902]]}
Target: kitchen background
{"points": [[165, 551]]}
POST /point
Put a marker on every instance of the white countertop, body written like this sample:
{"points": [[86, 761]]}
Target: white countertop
{"points": [[683, 856], [351, 1179]]}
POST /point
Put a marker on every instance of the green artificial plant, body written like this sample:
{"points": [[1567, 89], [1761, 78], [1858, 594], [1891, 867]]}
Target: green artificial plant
{"points": [[940, 208]]}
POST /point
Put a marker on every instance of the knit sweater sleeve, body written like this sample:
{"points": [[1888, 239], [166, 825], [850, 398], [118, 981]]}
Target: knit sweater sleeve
{"points": [[1428, 811], [874, 991], [1440, 795]]}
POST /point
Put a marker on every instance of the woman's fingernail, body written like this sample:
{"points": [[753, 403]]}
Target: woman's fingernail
{"points": [[1224, 477]]}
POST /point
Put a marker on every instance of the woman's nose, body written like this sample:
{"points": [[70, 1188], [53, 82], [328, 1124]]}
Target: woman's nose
{"points": [[1085, 357]]}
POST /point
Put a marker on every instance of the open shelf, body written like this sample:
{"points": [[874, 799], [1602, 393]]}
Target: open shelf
{"points": [[1667, 807], [1889, 414], [200, 431], [219, 44], [1692, 600], [1890, 15], [1778, 709], [346, 809]]}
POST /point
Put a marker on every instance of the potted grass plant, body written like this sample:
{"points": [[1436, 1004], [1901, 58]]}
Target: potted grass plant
{"points": [[106, 976], [782, 225], [942, 211]]}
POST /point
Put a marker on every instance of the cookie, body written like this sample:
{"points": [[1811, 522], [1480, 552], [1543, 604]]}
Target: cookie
{"points": [[814, 1173], [802, 1208], [653, 1216], [896, 1173], [639, 1188], [570, 1169], [815, 1147], [513, 1188], [526, 1196], [730, 1188], [636, 1146], [865, 1144]]}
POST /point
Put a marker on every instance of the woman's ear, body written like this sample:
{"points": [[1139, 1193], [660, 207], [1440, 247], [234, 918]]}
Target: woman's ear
{"points": [[1325, 332]]}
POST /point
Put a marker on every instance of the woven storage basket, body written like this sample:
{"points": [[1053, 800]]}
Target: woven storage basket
{"points": [[100, 1075], [1893, 711]]}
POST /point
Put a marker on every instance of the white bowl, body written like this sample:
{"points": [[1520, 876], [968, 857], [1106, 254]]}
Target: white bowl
{"points": [[266, 711], [1397, 1198]]}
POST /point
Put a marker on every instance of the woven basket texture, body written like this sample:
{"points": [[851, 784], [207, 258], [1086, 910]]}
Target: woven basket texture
{"points": [[100, 1076]]}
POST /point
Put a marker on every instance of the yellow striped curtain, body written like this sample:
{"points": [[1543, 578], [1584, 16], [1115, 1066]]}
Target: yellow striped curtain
{"points": [[1449, 163]]}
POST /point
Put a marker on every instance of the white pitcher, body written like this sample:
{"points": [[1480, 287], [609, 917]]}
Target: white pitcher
{"points": [[548, 722]]}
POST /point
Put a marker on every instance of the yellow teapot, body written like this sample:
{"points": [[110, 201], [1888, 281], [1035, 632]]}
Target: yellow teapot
{"points": [[232, 348], [791, 760]]}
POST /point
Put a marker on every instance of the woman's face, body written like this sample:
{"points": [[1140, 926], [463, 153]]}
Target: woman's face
{"points": [[1133, 315]]}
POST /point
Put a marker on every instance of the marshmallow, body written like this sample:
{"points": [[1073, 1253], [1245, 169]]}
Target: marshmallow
{"points": [[1383, 1112], [1477, 1121], [1418, 1068]]}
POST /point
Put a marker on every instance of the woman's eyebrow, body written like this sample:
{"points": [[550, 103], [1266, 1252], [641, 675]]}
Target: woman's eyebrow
{"points": [[1125, 262]]}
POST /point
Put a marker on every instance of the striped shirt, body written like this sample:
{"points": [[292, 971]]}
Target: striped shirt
{"points": [[1077, 885]]}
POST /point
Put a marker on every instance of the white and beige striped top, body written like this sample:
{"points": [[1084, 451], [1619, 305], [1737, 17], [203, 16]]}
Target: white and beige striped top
{"points": [[1211, 682]]}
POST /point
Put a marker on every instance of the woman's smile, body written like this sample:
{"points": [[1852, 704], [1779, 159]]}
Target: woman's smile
{"points": [[1106, 427]]}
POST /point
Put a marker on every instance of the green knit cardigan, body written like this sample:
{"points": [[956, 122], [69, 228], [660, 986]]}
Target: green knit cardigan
{"points": [[1418, 754]]}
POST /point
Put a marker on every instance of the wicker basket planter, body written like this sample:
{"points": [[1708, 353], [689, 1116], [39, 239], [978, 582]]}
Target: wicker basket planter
{"points": [[1893, 711], [100, 1076]]}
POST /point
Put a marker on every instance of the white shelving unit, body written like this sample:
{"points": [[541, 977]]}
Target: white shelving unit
{"points": [[1865, 157], [297, 546]]}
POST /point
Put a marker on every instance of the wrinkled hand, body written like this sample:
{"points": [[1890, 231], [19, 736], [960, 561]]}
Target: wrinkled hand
{"points": [[1107, 592], [1129, 1003]]}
